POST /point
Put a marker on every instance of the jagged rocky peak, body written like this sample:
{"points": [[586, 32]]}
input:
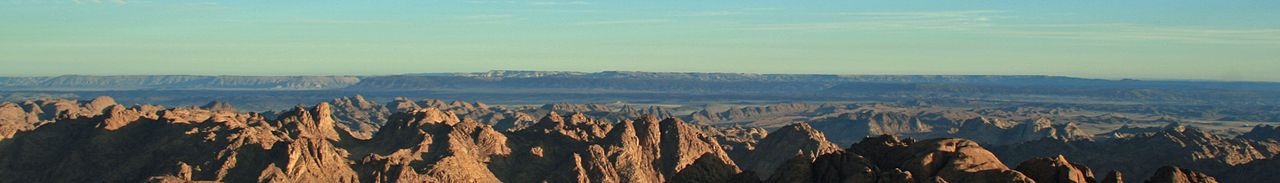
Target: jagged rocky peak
{"points": [[1045, 128], [403, 104], [798, 139], [101, 102], [736, 140], [1173, 174], [358, 115], [117, 116], [430, 145], [684, 143], [1188, 147], [316, 122], [708, 168], [15, 118], [888, 150], [576, 108], [957, 160], [360, 102], [844, 166], [1056, 170], [948, 159], [847, 128], [752, 112], [1263, 132], [577, 126], [552, 118], [433, 116], [219, 106], [461, 104], [1113, 177], [634, 111]]}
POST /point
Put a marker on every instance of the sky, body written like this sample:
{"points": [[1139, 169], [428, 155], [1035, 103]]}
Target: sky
{"points": [[1236, 40]]}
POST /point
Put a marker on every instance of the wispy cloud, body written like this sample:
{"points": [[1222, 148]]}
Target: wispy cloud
{"points": [[490, 18], [949, 20], [626, 22], [314, 21], [345, 22], [727, 12], [118, 2], [924, 14], [1137, 32], [558, 3], [713, 13], [988, 22], [535, 3]]}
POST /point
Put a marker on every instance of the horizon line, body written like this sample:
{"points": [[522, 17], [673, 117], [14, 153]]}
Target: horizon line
{"points": [[638, 71]]}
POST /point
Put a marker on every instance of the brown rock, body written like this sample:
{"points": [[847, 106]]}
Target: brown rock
{"points": [[798, 139], [708, 168], [1113, 177], [1055, 170], [952, 160], [1172, 174], [843, 166]]}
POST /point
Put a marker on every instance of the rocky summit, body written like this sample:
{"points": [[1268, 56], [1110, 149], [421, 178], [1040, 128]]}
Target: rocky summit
{"points": [[352, 139]]}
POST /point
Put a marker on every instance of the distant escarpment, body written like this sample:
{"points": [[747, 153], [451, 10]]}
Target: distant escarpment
{"points": [[179, 82]]}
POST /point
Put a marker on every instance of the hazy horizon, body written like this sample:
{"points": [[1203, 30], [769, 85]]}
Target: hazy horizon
{"points": [[1163, 40], [414, 73]]}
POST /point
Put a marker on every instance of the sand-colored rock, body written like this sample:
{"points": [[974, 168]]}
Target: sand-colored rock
{"points": [[1055, 170], [784, 144], [1172, 174]]}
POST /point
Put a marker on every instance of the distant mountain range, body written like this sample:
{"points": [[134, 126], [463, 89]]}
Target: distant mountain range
{"points": [[592, 80], [665, 86], [176, 82]]}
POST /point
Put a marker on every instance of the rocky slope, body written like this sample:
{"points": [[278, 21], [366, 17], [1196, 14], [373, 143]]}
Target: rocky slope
{"points": [[100, 140], [791, 141], [1263, 133], [848, 127], [307, 145], [1143, 154]]}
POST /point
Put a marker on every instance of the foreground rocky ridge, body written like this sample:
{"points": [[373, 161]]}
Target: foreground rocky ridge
{"points": [[1145, 154], [102, 141]]}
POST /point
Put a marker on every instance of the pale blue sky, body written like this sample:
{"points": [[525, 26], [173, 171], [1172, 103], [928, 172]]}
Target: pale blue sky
{"points": [[1148, 39]]}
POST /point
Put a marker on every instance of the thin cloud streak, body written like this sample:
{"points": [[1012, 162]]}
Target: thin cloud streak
{"points": [[1136, 32], [986, 22], [626, 22], [867, 21]]}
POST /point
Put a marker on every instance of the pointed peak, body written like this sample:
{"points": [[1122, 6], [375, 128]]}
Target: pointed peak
{"points": [[101, 102], [103, 99], [649, 118], [219, 106], [1043, 121], [578, 117], [313, 122], [552, 117], [672, 122], [798, 127], [434, 115], [322, 107], [1061, 159], [1176, 126]]}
